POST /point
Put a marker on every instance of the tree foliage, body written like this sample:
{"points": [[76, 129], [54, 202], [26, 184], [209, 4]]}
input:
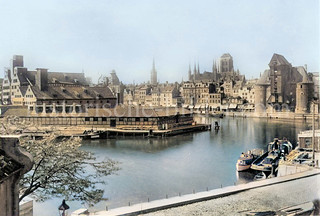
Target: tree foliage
{"points": [[61, 168]]}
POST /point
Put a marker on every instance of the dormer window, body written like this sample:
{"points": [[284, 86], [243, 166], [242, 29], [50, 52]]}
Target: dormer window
{"points": [[55, 95]]}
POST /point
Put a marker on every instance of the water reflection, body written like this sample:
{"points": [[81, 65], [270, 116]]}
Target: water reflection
{"points": [[148, 145]]}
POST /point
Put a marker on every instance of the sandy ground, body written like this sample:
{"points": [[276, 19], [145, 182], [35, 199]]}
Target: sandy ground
{"points": [[261, 199]]}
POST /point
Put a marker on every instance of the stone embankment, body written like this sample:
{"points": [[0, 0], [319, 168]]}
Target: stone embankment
{"points": [[270, 194]]}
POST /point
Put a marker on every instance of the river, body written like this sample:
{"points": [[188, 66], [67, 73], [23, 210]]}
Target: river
{"points": [[158, 167]]}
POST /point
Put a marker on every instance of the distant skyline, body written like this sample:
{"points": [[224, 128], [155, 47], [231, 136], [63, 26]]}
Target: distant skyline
{"points": [[97, 36]]}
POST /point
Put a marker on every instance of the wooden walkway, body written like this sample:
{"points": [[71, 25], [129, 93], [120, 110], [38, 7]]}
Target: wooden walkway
{"points": [[107, 132]]}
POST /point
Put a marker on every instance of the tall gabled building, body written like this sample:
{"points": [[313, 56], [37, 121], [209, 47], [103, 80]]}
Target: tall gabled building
{"points": [[281, 87]]}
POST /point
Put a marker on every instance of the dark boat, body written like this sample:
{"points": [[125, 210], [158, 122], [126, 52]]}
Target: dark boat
{"points": [[265, 162], [270, 160], [260, 176]]}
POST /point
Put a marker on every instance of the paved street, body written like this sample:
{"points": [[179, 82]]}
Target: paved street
{"points": [[260, 199]]}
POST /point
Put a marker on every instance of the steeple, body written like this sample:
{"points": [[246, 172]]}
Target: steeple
{"points": [[214, 71], [194, 71], [198, 68], [153, 80], [189, 73]]}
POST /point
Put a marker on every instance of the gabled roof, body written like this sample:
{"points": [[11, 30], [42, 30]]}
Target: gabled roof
{"points": [[302, 71], [26, 77], [23, 90], [62, 77], [264, 79], [278, 60], [72, 92]]}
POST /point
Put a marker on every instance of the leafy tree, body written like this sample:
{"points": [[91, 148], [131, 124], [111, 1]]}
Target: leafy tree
{"points": [[60, 167]]}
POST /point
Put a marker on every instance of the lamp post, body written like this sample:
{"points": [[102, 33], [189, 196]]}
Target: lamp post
{"points": [[63, 208]]}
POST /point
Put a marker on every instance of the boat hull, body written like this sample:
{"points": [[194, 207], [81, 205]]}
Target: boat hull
{"points": [[242, 167]]}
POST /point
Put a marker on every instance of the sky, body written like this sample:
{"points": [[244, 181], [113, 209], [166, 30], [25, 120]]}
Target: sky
{"points": [[97, 36]]}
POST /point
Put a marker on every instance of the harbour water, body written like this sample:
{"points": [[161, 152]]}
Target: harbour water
{"points": [[159, 167]]}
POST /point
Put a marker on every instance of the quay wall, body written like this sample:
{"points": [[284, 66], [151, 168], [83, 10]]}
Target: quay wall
{"points": [[274, 115], [153, 206]]}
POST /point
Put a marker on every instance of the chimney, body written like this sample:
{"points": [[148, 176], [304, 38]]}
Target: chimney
{"points": [[42, 79]]}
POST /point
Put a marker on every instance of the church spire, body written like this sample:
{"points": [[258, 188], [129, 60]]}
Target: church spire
{"points": [[189, 73], [198, 68], [153, 74], [214, 71], [194, 71]]}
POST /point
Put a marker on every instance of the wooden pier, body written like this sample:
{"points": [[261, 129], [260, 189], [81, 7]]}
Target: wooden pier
{"points": [[108, 132]]}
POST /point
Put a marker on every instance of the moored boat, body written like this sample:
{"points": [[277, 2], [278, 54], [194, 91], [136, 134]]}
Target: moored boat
{"points": [[266, 161], [260, 176], [270, 160], [245, 160]]}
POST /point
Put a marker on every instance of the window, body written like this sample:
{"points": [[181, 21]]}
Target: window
{"points": [[86, 119]]}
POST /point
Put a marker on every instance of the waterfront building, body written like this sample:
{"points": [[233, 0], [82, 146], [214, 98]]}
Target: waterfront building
{"points": [[128, 97], [201, 96], [18, 79], [120, 117], [66, 99], [140, 93], [277, 87], [169, 96], [156, 96], [214, 101], [305, 139], [113, 82], [316, 81]]}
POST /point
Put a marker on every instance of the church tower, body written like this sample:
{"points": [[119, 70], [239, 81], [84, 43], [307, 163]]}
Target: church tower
{"points": [[194, 72], [198, 69], [189, 73], [214, 71], [153, 74]]}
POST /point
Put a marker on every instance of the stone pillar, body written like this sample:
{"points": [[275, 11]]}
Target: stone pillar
{"points": [[20, 163], [64, 107], [34, 108], [54, 110], [44, 111], [74, 108]]}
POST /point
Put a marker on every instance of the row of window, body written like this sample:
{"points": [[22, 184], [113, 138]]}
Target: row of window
{"points": [[137, 119]]}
